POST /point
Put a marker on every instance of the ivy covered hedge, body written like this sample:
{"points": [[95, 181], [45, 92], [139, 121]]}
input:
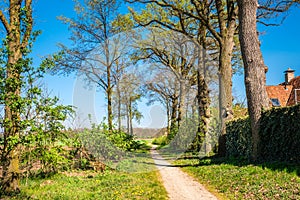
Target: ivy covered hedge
{"points": [[279, 133], [238, 137]]}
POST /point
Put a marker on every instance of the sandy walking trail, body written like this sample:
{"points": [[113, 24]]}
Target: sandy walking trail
{"points": [[178, 184]]}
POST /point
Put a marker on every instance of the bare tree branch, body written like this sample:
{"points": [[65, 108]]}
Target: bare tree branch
{"points": [[4, 22], [29, 23]]}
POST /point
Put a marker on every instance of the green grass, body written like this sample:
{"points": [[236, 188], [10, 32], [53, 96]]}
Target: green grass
{"points": [[135, 178], [235, 179]]}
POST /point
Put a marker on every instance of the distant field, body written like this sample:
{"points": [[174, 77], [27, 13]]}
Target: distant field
{"points": [[144, 133]]}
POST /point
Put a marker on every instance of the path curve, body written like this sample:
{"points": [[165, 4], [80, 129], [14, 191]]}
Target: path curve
{"points": [[178, 184]]}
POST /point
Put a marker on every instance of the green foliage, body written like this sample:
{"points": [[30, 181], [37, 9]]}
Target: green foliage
{"points": [[161, 141], [105, 144], [279, 134], [239, 111], [36, 129]]}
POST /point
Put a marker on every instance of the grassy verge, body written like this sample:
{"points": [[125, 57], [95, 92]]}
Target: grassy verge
{"points": [[135, 178], [236, 179]]}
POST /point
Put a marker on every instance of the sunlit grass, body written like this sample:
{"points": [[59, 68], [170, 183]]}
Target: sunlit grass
{"points": [[238, 180]]}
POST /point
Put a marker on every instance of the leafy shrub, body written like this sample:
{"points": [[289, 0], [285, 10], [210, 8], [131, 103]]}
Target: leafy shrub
{"points": [[162, 140], [41, 142], [105, 144]]}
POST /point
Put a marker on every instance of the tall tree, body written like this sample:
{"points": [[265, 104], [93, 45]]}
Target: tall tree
{"points": [[254, 68], [17, 22], [96, 48], [251, 12]]}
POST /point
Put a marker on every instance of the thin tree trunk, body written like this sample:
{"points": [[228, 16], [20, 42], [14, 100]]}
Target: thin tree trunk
{"points": [[168, 117], [174, 111], [109, 100], [182, 96], [119, 108], [15, 43], [130, 117], [254, 68]]}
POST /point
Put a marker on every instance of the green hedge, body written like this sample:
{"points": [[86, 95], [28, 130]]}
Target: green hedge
{"points": [[238, 138], [279, 133]]}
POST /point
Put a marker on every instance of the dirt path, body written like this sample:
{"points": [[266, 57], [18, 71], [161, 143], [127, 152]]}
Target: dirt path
{"points": [[178, 184]]}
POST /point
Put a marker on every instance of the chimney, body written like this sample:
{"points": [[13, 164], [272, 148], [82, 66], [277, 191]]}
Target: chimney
{"points": [[289, 75]]}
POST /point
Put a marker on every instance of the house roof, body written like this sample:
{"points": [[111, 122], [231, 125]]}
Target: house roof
{"points": [[285, 93], [295, 82], [280, 92]]}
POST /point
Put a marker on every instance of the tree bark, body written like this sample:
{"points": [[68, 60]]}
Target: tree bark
{"points": [[109, 100], [202, 97], [130, 116], [168, 117], [225, 90], [182, 106], [174, 111], [119, 107], [254, 68], [203, 112]]}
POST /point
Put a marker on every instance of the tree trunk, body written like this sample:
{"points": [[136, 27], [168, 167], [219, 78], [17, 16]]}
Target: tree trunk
{"points": [[173, 126], [130, 117], [225, 90], [10, 154], [168, 117], [182, 106], [109, 100], [254, 68], [119, 108], [203, 98], [203, 111]]}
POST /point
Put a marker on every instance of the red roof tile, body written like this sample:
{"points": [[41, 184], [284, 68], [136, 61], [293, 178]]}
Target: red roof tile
{"points": [[285, 93], [281, 92]]}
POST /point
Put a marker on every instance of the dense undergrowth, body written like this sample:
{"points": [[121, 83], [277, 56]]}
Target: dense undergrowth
{"points": [[135, 178]]}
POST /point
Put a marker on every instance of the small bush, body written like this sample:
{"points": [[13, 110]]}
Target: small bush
{"points": [[162, 140], [105, 144]]}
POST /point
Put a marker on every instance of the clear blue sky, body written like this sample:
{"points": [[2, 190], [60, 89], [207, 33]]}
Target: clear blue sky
{"points": [[280, 48]]}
